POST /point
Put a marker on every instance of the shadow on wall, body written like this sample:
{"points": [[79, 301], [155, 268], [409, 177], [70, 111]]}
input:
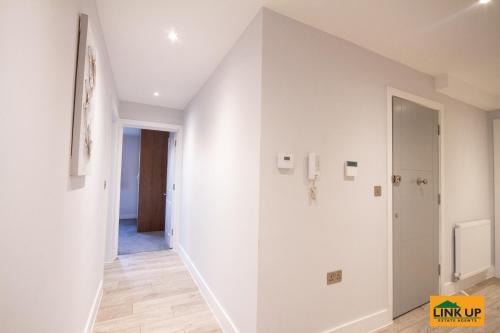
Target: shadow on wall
{"points": [[75, 182]]}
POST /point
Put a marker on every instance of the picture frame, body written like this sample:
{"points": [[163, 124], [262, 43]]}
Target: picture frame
{"points": [[83, 117]]}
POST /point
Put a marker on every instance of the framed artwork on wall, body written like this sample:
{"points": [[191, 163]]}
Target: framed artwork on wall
{"points": [[85, 82]]}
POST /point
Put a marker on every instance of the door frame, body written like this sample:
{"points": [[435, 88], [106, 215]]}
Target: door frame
{"points": [[112, 238], [392, 92]]}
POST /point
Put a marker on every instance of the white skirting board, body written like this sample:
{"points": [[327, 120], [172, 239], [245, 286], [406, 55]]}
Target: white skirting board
{"points": [[218, 310], [452, 288], [367, 324], [89, 326]]}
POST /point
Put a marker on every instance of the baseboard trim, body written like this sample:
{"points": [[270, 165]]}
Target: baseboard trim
{"points": [[452, 288], [218, 310], [128, 216], [369, 323], [89, 326]]}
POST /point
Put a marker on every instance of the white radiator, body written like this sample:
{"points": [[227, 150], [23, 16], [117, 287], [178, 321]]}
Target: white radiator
{"points": [[472, 248]]}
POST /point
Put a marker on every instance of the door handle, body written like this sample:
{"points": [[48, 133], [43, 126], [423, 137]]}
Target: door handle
{"points": [[164, 194], [421, 181]]}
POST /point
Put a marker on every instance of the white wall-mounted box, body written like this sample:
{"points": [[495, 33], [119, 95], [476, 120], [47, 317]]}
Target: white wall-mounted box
{"points": [[351, 169], [285, 161]]}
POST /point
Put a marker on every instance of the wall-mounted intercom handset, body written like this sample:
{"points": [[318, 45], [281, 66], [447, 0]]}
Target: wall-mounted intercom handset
{"points": [[312, 173], [313, 166]]}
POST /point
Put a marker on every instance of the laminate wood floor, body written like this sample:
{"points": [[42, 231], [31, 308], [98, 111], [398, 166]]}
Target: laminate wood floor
{"points": [[417, 321], [152, 292]]}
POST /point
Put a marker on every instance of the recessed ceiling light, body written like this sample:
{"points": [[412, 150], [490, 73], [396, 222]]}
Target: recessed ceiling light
{"points": [[172, 35], [483, 2], [156, 94]]}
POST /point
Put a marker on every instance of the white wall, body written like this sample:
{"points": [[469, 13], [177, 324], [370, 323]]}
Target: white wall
{"points": [[469, 174], [52, 226], [129, 176], [221, 181], [322, 94], [144, 112]]}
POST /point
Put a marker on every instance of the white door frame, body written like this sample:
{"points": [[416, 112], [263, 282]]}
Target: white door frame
{"points": [[392, 92], [116, 174]]}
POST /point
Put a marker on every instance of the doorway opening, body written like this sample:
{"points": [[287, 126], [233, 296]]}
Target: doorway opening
{"points": [[146, 191]]}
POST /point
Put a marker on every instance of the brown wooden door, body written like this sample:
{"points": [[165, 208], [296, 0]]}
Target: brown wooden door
{"points": [[152, 181]]}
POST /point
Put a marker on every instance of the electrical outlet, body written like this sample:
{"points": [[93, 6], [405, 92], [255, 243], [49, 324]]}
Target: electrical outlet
{"points": [[333, 277], [377, 191]]}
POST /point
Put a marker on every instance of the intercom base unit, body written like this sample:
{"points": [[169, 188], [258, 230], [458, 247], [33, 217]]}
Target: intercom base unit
{"points": [[313, 166]]}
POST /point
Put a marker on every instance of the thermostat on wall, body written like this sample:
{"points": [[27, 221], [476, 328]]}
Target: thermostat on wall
{"points": [[351, 169], [285, 161]]}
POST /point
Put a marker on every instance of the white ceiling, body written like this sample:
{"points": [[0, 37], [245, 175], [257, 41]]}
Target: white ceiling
{"points": [[456, 37], [145, 61]]}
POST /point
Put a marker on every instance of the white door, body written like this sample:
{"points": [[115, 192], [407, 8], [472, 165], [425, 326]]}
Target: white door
{"points": [[415, 205], [170, 190]]}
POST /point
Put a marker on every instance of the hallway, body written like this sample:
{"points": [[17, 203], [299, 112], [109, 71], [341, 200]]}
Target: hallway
{"points": [[249, 166], [152, 292]]}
